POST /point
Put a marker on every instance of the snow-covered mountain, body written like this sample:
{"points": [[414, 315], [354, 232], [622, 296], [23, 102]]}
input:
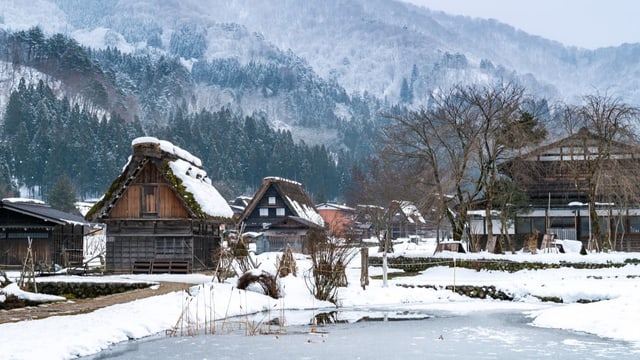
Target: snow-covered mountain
{"points": [[366, 47]]}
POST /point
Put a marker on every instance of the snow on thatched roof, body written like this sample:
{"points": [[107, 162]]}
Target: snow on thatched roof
{"points": [[189, 170], [306, 211], [183, 171]]}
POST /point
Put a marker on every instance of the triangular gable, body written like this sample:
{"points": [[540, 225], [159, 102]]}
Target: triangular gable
{"points": [[183, 173], [410, 212], [293, 195]]}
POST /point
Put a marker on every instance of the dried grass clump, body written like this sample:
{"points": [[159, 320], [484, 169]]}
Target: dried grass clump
{"points": [[287, 263], [12, 302], [261, 282]]}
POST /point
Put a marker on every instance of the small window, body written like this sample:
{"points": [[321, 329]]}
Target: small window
{"points": [[150, 200], [280, 212], [272, 200], [264, 212]]}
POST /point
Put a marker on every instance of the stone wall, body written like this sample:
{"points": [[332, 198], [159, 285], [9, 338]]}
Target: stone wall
{"points": [[83, 290]]}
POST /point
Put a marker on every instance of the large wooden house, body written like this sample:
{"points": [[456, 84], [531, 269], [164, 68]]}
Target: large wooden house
{"points": [[162, 213], [284, 213], [56, 237], [555, 176]]}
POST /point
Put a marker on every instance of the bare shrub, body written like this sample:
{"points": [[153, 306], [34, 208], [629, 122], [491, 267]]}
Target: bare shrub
{"points": [[329, 263]]}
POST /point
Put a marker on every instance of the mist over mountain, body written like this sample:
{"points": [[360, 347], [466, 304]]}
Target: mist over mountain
{"points": [[361, 46], [324, 71]]}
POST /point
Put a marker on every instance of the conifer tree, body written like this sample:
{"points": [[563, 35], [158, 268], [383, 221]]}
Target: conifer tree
{"points": [[62, 196]]}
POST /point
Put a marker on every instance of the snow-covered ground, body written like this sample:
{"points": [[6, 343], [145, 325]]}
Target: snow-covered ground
{"points": [[613, 316]]}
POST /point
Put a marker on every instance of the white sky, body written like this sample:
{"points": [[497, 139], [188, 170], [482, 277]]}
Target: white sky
{"points": [[584, 23]]}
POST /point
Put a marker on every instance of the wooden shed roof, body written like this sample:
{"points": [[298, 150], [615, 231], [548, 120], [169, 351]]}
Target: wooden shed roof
{"points": [[42, 211]]}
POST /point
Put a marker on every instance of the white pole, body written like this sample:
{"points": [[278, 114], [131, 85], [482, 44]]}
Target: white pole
{"points": [[384, 262]]}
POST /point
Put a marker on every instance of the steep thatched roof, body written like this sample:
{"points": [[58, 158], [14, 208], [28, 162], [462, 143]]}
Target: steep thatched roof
{"points": [[179, 168], [293, 195]]}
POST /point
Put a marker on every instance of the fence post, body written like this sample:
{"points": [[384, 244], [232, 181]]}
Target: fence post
{"points": [[364, 267]]}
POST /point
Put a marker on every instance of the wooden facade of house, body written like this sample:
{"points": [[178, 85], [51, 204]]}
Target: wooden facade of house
{"points": [[159, 213], [557, 173], [56, 237], [554, 176], [283, 212]]}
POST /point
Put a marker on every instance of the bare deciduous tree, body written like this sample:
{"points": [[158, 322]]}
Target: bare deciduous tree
{"points": [[460, 141]]}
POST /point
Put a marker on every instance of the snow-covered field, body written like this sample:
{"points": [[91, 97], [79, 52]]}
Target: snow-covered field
{"points": [[613, 316]]}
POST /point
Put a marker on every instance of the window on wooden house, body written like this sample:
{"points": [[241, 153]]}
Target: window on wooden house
{"points": [[264, 212], [634, 224], [280, 212], [150, 201], [272, 200]]}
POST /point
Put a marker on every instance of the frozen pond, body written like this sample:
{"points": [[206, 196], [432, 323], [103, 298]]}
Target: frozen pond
{"points": [[492, 335]]}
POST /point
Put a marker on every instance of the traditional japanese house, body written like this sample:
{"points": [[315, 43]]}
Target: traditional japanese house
{"points": [[162, 213], [56, 237], [407, 220], [284, 213], [554, 177]]}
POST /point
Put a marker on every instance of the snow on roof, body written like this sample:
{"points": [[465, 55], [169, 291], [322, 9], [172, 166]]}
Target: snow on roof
{"points": [[306, 212], [277, 178], [170, 148], [411, 211], [23, 200], [189, 170], [326, 206], [196, 181]]}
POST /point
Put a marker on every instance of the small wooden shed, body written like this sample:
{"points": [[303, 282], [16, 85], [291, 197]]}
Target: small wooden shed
{"points": [[56, 236], [162, 213]]}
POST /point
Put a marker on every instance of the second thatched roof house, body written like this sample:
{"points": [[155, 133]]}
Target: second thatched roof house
{"points": [[162, 213], [284, 213]]}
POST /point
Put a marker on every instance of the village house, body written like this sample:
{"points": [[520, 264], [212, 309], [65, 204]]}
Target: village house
{"points": [[552, 178], [340, 220], [56, 237], [284, 214], [407, 220], [162, 213]]}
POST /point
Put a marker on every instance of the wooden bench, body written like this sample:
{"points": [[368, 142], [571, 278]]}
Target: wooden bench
{"points": [[161, 267], [141, 267]]}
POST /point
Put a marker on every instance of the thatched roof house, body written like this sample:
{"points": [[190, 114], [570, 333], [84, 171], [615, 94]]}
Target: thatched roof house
{"points": [[161, 212], [283, 212]]}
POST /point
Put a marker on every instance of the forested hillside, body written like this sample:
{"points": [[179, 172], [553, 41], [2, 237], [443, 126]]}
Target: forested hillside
{"points": [[45, 138], [84, 130]]}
